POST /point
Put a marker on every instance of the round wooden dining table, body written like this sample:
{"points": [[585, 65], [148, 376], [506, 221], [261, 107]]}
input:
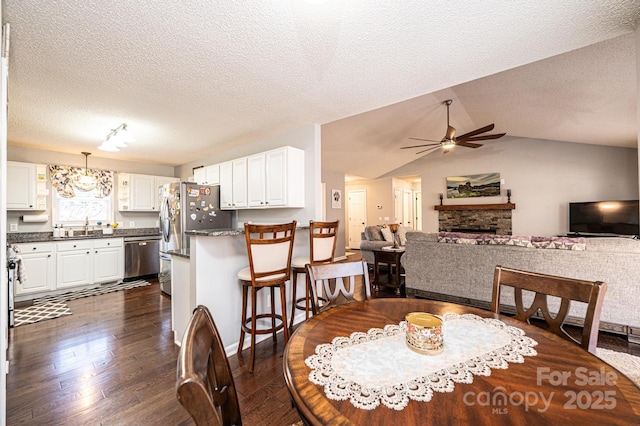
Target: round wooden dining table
{"points": [[571, 385]]}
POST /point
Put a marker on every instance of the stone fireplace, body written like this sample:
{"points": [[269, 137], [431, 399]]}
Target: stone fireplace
{"points": [[476, 218]]}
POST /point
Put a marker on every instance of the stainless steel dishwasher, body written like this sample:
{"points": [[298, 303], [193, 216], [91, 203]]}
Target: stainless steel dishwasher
{"points": [[141, 256]]}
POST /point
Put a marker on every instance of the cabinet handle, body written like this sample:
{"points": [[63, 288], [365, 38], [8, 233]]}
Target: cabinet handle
{"points": [[96, 251], [74, 246], [88, 252], [35, 248], [49, 256]]}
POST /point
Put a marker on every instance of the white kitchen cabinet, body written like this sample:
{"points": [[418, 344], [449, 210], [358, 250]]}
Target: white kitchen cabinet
{"points": [[226, 185], [199, 175], [239, 182], [209, 175], [233, 184], [143, 193], [108, 260], [256, 188], [268, 179], [26, 186], [139, 193], [40, 268], [276, 178], [74, 263]]}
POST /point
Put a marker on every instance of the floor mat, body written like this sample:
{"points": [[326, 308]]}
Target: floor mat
{"points": [[103, 289], [36, 313], [627, 364]]}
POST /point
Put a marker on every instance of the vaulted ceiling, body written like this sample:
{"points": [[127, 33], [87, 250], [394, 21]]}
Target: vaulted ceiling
{"points": [[195, 77]]}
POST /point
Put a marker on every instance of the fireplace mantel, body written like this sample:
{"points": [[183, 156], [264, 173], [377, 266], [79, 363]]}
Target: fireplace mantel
{"points": [[471, 207]]}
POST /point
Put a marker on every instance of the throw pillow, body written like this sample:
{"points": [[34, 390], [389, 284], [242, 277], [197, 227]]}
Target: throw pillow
{"points": [[402, 235], [387, 234], [372, 233]]}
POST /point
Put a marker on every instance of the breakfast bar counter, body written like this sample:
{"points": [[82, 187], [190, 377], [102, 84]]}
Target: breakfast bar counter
{"points": [[208, 276]]}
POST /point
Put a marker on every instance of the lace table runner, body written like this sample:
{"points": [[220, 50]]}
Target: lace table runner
{"points": [[377, 367]]}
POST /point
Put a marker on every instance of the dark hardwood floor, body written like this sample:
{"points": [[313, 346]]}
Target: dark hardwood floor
{"points": [[113, 362]]}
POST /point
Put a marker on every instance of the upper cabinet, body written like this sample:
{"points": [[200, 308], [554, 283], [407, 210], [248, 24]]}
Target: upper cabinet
{"points": [[139, 193], [284, 177], [265, 180], [26, 186], [209, 175]]}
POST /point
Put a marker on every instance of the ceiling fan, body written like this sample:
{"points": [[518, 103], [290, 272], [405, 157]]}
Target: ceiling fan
{"points": [[450, 140]]}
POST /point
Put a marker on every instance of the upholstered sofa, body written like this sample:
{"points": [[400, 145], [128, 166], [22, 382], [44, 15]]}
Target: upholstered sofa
{"points": [[461, 271], [375, 237]]}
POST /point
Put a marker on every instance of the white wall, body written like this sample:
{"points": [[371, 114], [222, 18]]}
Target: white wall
{"points": [[29, 155], [544, 177], [306, 138]]}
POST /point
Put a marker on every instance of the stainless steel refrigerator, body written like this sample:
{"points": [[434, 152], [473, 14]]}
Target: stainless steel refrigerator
{"points": [[186, 206]]}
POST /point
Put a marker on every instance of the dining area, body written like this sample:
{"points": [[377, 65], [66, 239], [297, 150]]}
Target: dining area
{"points": [[358, 358]]}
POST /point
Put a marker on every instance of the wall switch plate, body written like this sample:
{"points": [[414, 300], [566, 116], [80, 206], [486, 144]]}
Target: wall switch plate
{"points": [[132, 224], [13, 227]]}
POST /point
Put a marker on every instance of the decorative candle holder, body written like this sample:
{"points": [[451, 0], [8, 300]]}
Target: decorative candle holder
{"points": [[394, 230], [509, 196], [424, 333], [441, 197]]}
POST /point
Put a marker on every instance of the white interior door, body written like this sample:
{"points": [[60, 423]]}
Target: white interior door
{"points": [[397, 205], [357, 216], [407, 208], [418, 211]]}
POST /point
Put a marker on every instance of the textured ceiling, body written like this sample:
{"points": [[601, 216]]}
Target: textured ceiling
{"points": [[194, 77]]}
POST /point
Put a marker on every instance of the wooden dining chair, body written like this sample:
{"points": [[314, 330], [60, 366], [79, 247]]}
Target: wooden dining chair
{"points": [[205, 385], [336, 283], [567, 289], [322, 248], [269, 248]]}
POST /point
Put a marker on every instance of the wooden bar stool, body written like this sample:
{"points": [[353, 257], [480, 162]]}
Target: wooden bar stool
{"points": [[269, 248], [322, 245]]}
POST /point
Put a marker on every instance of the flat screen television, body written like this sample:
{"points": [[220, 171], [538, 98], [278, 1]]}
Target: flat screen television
{"points": [[605, 217]]}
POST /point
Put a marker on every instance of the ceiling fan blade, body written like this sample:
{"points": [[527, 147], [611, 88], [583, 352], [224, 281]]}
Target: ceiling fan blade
{"points": [[451, 132], [485, 137], [468, 145], [419, 146], [428, 140], [477, 131], [428, 149]]}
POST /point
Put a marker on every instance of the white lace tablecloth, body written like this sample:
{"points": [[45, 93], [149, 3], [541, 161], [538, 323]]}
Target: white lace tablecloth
{"points": [[377, 367]]}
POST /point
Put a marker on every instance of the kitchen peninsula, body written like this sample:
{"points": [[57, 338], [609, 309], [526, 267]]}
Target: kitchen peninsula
{"points": [[207, 275]]}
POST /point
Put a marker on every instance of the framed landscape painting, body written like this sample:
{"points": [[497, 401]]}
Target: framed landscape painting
{"points": [[484, 185]]}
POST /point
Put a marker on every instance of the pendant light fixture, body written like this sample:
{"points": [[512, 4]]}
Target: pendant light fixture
{"points": [[85, 181]]}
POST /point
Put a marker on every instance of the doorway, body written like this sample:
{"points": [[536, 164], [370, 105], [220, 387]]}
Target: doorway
{"points": [[357, 206]]}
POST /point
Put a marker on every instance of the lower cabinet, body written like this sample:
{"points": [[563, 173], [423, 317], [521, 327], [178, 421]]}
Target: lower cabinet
{"points": [[39, 266], [74, 264], [54, 266], [108, 260]]}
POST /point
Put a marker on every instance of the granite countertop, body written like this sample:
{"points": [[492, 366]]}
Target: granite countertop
{"points": [[181, 253], [227, 232], [37, 237]]}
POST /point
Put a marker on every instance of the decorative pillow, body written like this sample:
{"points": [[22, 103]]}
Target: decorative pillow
{"points": [[402, 235], [387, 234], [559, 243], [372, 233]]}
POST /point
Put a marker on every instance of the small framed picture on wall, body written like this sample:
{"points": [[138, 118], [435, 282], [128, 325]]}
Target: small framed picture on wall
{"points": [[336, 199]]}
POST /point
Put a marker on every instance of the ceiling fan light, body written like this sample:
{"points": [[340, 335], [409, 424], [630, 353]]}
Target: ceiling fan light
{"points": [[448, 144]]}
